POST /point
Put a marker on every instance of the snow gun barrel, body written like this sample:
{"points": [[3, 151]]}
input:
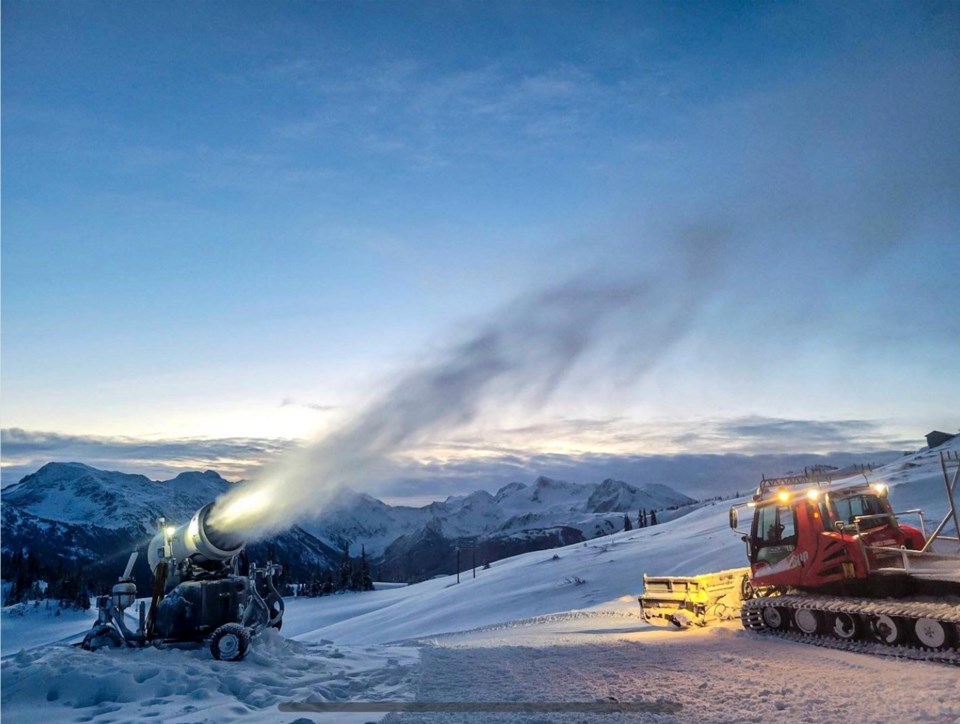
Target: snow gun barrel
{"points": [[198, 540]]}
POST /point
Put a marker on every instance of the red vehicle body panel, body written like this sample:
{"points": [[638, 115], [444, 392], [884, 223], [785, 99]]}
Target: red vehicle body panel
{"points": [[802, 547]]}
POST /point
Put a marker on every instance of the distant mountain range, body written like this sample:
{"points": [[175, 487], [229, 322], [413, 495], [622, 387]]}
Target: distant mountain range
{"points": [[412, 543], [77, 513]]}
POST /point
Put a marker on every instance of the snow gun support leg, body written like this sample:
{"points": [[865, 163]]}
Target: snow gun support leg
{"points": [[264, 607], [110, 629]]}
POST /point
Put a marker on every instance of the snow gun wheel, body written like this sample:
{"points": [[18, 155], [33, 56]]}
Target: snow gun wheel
{"points": [[102, 637], [775, 618], [888, 630], [230, 642], [807, 621], [846, 626], [933, 634]]}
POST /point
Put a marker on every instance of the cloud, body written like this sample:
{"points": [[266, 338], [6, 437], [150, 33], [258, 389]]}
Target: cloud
{"points": [[623, 436], [807, 434], [695, 456], [291, 402], [25, 450], [439, 116], [696, 475], [701, 458]]}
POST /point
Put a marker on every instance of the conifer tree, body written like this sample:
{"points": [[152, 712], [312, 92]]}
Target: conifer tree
{"points": [[315, 587], [366, 581], [343, 575]]}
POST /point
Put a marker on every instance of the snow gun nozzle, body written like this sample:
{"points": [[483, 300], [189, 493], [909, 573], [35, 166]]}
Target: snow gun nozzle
{"points": [[201, 540]]}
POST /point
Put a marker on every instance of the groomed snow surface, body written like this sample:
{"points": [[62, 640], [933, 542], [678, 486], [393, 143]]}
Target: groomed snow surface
{"points": [[549, 626]]}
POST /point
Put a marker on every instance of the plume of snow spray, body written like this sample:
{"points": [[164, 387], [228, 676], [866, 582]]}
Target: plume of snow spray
{"points": [[523, 355]]}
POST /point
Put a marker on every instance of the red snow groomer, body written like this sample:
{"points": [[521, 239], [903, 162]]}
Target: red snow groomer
{"points": [[833, 560], [808, 535]]}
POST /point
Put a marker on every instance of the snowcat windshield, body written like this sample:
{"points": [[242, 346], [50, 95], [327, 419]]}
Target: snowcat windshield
{"points": [[847, 510]]}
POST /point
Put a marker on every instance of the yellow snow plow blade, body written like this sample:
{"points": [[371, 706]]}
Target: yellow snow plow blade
{"points": [[687, 600]]}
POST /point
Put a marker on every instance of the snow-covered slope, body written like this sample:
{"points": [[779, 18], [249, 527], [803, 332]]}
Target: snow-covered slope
{"points": [[579, 576]]}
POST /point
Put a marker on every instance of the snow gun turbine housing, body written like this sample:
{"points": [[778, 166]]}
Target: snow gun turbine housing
{"points": [[197, 541]]}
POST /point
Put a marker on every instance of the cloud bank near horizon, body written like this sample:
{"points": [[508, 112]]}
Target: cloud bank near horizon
{"points": [[700, 458], [235, 458]]}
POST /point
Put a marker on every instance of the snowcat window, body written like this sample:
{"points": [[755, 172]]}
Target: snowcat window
{"points": [[825, 512], [849, 508], [774, 533]]}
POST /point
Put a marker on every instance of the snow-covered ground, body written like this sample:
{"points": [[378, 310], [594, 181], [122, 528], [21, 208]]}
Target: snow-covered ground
{"points": [[548, 626]]}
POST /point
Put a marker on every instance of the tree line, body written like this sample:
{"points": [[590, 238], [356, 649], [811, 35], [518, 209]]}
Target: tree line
{"points": [[73, 585], [644, 518], [68, 585], [353, 574]]}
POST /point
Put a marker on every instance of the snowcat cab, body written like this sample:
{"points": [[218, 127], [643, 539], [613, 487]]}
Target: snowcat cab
{"points": [[805, 534]]}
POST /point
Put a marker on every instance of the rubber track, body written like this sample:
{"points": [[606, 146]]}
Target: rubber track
{"points": [[750, 616]]}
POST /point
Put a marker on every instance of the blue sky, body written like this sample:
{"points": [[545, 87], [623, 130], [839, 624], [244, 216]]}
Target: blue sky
{"points": [[245, 222]]}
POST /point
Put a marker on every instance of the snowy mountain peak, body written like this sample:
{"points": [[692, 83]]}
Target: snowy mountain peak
{"points": [[346, 498], [508, 490], [55, 468], [194, 475], [80, 494], [617, 496], [56, 475], [545, 483], [480, 497], [208, 484], [550, 491]]}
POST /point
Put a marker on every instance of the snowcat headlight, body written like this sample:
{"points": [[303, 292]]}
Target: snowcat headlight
{"points": [[880, 488], [784, 496], [170, 530], [813, 494]]}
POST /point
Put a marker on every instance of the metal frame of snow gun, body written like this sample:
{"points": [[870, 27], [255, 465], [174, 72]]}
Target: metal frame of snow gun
{"points": [[684, 601], [204, 589]]}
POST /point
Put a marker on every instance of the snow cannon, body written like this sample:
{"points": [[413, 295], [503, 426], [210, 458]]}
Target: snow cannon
{"points": [[205, 591], [198, 541]]}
